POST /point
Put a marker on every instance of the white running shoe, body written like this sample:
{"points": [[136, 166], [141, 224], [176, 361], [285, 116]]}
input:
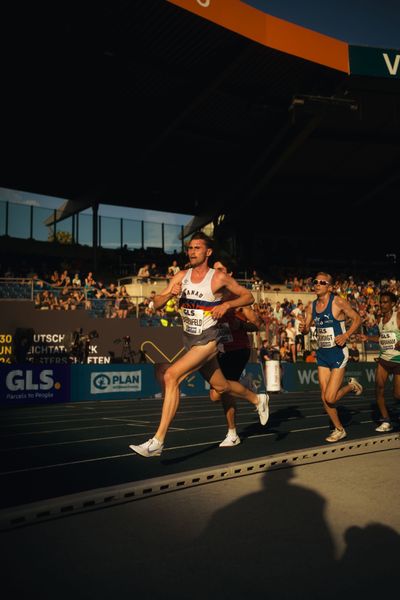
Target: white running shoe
{"points": [[230, 441], [263, 408], [336, 435], [150, 448], [385, 426], [356, 385]]}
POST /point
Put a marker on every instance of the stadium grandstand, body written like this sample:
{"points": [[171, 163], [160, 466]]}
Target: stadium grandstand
{"points": [[282, 143]]}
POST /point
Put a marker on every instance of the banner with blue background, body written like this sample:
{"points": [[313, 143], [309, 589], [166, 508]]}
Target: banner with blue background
{"points": [[34, 384]]}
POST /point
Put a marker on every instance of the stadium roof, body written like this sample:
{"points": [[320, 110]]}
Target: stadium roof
{"points": [[151, 105]]}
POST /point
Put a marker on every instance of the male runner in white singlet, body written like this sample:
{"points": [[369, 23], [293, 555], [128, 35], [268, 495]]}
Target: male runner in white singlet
{"points": [[199, 290], [389, 355]]}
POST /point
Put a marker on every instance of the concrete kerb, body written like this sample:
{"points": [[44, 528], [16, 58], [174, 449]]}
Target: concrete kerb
{"points": [[62, 506]]}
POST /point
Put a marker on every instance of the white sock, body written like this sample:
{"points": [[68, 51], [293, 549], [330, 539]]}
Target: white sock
{"points": [[232, 433]]}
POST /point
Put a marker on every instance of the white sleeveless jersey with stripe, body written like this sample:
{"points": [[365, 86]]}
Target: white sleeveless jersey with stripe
{"points": [[196, 302], [388, 338]]}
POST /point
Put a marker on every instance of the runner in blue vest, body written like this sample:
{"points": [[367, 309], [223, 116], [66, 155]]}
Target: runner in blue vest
{"points": [[328, 313]]}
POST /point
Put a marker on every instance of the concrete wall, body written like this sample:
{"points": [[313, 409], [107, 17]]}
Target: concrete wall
{"points": [[143, 289], [50, 335]]}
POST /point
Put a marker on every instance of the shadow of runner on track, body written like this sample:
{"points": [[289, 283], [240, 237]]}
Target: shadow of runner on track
{"points": [[283, 414], [369, 565], [275, 542], [269, 536], [265, 543], [276, 418], [179, 459]]}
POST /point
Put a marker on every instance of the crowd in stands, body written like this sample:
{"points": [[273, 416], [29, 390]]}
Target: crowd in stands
{"points": [[71, 288], [150, 271], [66, 293], [364, 298], [281, 334]]}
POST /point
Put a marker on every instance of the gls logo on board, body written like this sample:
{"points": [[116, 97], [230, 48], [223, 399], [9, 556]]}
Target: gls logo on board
{"points": [[19, 381]]}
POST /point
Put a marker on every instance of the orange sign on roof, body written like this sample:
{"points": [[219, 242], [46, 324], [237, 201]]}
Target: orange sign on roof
{"points": [[271, 31]]}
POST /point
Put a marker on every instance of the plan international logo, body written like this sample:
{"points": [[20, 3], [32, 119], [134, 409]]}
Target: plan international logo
{"points": [[115, 381]]}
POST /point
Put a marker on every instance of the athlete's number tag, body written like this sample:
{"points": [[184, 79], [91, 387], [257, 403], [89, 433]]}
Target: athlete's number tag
{"points": [[326, 337], [192, 320], [387, 340], [226, 334]]}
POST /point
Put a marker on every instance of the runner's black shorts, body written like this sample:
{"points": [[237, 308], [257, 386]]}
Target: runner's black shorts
{"points": [[391, 367], [232, 363]]}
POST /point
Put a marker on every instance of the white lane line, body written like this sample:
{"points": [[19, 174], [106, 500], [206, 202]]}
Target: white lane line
{"points": [[240, 423], [214, 442], [112, 457], [41, 432], [89, 440], [138, 423], [135, 423], [65, 464], [3, 428], [101, 458], [115, 437], [318, 416], [124, 420], [70, 421], [275, 404]]}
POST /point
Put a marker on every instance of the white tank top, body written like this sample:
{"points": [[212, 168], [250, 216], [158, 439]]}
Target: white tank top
{"points": [[196, 302], [389, 336]]}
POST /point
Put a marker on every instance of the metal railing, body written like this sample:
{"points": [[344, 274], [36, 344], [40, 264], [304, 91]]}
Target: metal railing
{"points": [[16, 288], [28, 289]]}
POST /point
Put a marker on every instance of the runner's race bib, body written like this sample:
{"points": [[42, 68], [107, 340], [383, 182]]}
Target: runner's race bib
{"points": [[326, 337], [192, 320], [387, 340]]}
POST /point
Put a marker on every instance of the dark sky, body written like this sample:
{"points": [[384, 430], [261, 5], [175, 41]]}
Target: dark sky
{"points": [[358, 22]]}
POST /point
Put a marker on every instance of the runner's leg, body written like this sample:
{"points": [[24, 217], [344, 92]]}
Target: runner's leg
{"points": [[192, 361]]}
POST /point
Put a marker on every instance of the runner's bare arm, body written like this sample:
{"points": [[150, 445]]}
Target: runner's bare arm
{"points": [[254, 321], [367, 338], [173, 289], [375, 338], [305, 324], [243, 297], [397, 346], [345, 307]]}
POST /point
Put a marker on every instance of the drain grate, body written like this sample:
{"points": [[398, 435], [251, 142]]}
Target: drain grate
{"points": [[94, 499]]}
